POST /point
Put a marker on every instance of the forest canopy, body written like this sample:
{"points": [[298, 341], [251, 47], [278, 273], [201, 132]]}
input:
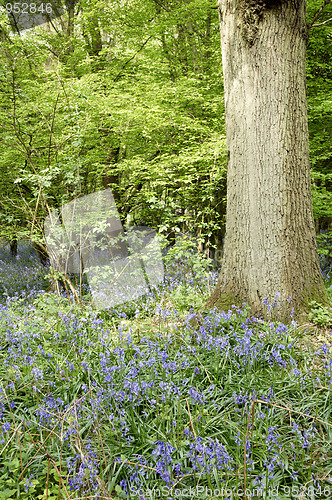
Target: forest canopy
{"points": [[129, 95]]}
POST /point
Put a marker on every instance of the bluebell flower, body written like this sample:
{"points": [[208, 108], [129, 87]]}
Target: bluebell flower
{"points": [[37, 373], [238, 439], [28, 484]]}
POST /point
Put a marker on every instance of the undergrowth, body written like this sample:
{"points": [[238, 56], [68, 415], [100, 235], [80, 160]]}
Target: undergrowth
{"points": [[151, 401]]}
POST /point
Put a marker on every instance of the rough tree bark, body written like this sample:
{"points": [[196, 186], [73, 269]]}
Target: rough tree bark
{"points": [[270, 244]]}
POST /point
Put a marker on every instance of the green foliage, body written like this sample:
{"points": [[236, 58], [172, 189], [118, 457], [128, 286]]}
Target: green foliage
{"points": [[11, 488], [131, 93], [320, 315], [319, 75], [324, 244], [76, 121], [183, 255], [185, 299]]}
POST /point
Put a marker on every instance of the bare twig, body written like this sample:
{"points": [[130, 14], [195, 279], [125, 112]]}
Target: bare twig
{"points": [[225, 358], [191, 422], [321, 24], [318, 13], [14, 432], [102, 446], [46, 454], [17, 427], [51, 432], [181, 479], [125, 64], [294, 411], [36, 209], [140, 465], [327, 474], [79, 447], [47, 477]]}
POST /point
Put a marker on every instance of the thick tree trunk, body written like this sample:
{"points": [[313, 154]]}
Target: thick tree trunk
{"points": [[270, 244]]}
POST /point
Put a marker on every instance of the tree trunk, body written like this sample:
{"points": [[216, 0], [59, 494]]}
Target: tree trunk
{"points": [[112, 180], [13, 248], [93, 38], [270, 244], [69, 30], [41, 251], [207, 40]]}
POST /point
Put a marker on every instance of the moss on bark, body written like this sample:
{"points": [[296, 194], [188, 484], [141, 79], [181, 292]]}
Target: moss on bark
{"points": [[227, 300]]}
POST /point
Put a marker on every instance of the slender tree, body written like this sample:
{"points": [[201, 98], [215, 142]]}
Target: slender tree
{"points": [[270, 246]]}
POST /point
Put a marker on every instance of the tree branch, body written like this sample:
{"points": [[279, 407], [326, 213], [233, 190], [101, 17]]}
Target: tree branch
{"points": [[53, 25], [161, 5], [321, 24], [318, 13], [125, 64]]}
